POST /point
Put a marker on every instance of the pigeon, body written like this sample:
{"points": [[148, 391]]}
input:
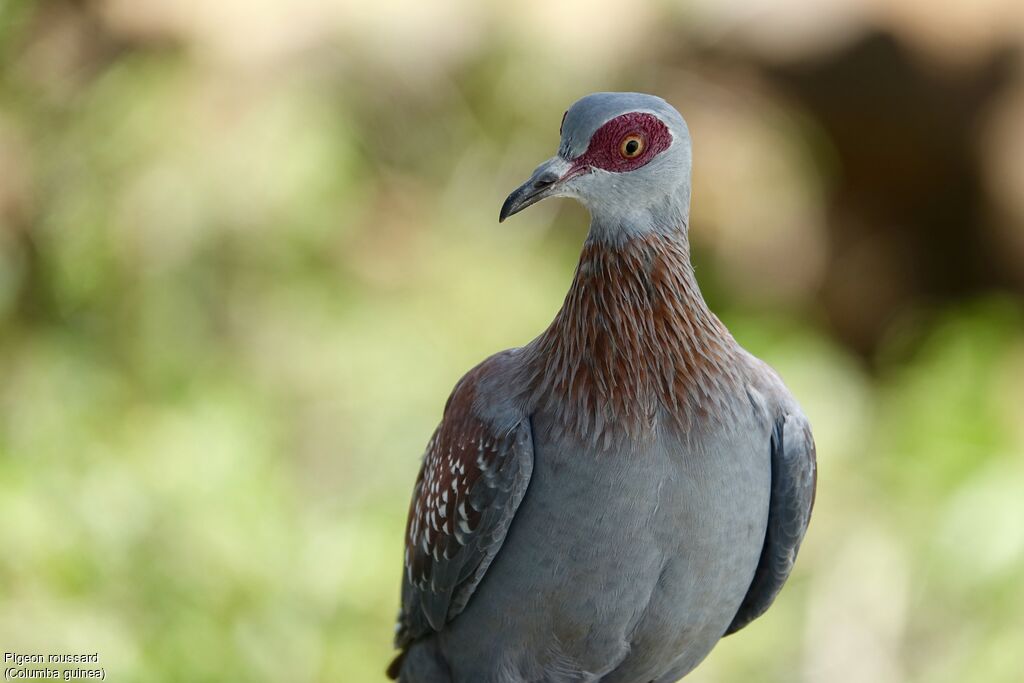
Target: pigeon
{"points": [[607, 502]]}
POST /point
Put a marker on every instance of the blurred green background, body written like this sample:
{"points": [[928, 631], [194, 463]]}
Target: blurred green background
{"points": [[248, 246]]}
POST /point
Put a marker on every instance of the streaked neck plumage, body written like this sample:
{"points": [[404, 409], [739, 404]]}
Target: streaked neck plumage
{"points": [[634, 343]]}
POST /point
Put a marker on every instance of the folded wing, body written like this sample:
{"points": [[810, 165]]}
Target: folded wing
{"points": [[794, 479], [474, 476]]}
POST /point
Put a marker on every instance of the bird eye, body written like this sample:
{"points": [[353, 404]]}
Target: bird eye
{"points": [[631, 146]]}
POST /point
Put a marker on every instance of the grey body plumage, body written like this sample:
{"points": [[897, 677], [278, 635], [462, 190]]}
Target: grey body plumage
{"points": [[605, 503]]}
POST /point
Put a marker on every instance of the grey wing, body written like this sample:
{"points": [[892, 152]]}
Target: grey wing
{"points": [[794, 480], [470, 486]]}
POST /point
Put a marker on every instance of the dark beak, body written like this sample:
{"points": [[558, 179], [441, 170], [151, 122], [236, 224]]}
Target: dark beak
{"points": [[545, 182]]}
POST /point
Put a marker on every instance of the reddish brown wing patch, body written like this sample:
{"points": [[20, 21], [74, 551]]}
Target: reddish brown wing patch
{"points": [[459, 454], [472, 480]]}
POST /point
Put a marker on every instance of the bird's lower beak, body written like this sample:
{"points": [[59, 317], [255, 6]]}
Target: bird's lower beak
{"points": [[545, 182]]}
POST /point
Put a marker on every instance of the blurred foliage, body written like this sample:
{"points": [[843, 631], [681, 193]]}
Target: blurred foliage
{"points": [[246, 251]]}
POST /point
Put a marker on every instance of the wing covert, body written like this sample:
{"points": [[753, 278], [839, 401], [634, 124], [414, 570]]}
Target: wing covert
{"points": [[471, 482]]}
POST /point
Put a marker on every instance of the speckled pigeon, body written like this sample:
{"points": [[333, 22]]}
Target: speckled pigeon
{"points": [[608, 501]]}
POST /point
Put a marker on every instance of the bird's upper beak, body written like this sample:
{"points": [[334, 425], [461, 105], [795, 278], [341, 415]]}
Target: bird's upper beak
{"points": [[546, 181]]}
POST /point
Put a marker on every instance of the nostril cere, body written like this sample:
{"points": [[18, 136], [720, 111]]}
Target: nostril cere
{"points": [[545, 180]]}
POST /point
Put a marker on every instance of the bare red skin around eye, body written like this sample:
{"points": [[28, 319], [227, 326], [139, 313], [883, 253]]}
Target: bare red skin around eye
{"points": [[604, 149]]}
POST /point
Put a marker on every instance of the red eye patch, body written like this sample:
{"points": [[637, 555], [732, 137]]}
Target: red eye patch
{"points": [[604, 150]]}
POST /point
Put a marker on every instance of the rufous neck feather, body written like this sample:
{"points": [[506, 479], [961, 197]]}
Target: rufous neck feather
{"points": [[633, 344]]}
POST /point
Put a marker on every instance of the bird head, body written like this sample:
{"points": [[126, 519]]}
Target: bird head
{"points": [[626, 157]]}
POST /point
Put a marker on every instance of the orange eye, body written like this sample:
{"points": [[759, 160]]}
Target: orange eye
{"points": [[631, 146]]}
